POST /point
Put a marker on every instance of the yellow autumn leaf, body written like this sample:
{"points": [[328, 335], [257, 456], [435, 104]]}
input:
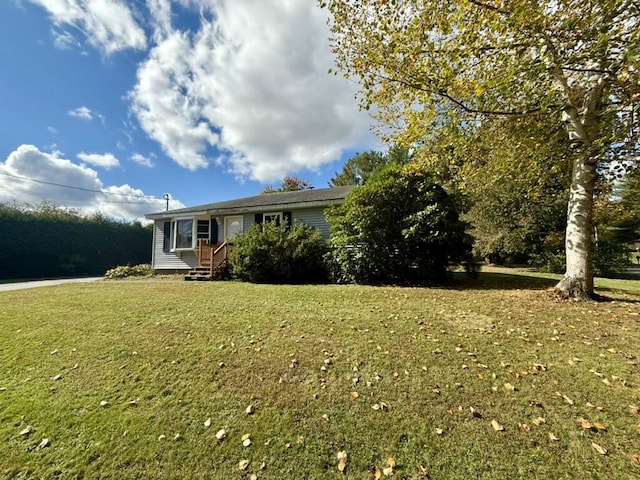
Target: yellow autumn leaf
{"points": [[354, 395], [552, 437], [599, 426], [376, 473], [586, 424], [539, 421], [496, 426], [599, 449], [342, 461]]}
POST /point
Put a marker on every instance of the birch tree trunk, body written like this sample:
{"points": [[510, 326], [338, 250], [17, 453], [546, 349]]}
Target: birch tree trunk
{"points": [[578, 279]]}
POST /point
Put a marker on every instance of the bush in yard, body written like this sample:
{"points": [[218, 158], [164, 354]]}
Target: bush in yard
{"points": [[270, 253], [123, 271], [401, 227]]}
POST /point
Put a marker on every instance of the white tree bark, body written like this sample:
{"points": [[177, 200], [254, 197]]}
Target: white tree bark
{"points": [[578, 278]]}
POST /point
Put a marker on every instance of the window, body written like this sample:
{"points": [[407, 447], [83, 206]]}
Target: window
{"points": [[183, 234], [202, 232], [272, 217]]}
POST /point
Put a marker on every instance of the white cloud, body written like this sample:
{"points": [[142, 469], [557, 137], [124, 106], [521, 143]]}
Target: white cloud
{"points": [[105, 160], [252, 83], [142, 160], [81, 112], [108, 25], [30, 176]]}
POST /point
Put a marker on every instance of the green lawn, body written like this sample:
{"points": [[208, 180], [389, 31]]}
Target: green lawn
{"points": [[379, 373]]}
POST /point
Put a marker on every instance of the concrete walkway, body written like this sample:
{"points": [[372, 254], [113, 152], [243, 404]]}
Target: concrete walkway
{"points": [[5, 287]]}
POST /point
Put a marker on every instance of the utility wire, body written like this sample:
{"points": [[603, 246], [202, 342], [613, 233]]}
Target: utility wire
{"points": [[81, 188]]}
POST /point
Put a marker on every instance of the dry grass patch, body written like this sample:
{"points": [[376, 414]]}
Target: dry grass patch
{"points": [[150, 371]]}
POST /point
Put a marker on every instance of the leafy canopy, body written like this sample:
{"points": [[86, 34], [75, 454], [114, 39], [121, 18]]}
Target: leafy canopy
{"points": [[289, 184], [357, 170], [400, 227]]}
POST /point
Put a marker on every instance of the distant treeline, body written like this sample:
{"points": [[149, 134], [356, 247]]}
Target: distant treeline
{"points": [[49, 241]]}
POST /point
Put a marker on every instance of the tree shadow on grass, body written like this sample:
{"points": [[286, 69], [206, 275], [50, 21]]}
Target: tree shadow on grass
{"points": [[501, 281], [511, 281]]}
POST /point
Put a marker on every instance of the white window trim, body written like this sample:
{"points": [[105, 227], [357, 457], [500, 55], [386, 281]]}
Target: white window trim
{"points": [[273, 214], [174, 234]]}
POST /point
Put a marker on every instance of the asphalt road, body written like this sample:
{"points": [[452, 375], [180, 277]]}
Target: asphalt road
{"points": [[5, 287]]}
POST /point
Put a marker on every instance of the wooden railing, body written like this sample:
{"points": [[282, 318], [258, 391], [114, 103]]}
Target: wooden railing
{"points": [[212, 255], [220, 257]]}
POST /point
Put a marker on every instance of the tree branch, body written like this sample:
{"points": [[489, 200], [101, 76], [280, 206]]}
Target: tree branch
{"points": [[489, 7]]}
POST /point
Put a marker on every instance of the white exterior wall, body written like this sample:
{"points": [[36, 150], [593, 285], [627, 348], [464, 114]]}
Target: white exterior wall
{"points": [[314, 217], [184, 260]]}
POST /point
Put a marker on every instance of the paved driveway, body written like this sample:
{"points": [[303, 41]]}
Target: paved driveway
{"points": [[5, 287]]}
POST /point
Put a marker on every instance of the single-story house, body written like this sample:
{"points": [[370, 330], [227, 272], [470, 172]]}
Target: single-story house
{"points": [[188, 239]]}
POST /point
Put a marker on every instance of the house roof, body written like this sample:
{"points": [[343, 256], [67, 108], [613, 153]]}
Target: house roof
{"points": [[321, 197]]}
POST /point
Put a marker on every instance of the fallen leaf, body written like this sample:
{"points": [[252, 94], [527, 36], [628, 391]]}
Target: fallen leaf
{"points": [[634, 410], [376, 473], [599, 449], [388, 470], [439, 431], [638, 428], [586, 424], [539, 421], [510, 388], [636, 458], [599, 426], [342, 461], [221, 434], [552, 437], [475, 413], [354, 395], [27, 430], [496, 426], [243, 464], [250, 410], [568, 399], [104, 403], [246, 439], [44, 443], [423, 472], [207, 422]]}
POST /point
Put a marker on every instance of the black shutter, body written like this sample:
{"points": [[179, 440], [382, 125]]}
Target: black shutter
{"points": [[258, 218], [166, 242], [213, 235], [286, 218]]}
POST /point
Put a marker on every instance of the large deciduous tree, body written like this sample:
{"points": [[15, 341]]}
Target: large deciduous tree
{"points": [[427, 64]]}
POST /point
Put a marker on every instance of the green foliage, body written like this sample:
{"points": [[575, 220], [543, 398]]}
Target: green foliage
{"points": [[359, 169], [270, 253], [400, 227], [289, 184], [429, 65], [51, 241], [124, 271], [610, 258]]}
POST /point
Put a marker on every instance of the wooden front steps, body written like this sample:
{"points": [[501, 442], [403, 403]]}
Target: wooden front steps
{"points": [[213, 262]]}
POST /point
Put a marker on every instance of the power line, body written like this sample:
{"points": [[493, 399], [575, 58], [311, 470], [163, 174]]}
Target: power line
{"points": [[80, 188]]}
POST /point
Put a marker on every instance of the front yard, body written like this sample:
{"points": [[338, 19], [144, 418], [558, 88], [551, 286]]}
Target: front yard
{"points": [[134, 379]]}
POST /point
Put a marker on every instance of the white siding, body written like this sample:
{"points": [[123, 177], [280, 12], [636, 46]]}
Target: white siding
{"points": [[314, 217], [169, 260]]}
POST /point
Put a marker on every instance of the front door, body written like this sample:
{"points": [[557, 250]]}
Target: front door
{"points": [[232, 228]]}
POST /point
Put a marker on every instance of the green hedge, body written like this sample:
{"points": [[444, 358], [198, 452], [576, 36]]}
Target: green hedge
{"points": [[54, 242]]}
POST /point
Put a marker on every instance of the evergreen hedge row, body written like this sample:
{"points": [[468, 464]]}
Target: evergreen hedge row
{"points": [[50, 241]]}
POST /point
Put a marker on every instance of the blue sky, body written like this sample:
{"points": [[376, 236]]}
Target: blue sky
{"points": [[206, 100]]}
